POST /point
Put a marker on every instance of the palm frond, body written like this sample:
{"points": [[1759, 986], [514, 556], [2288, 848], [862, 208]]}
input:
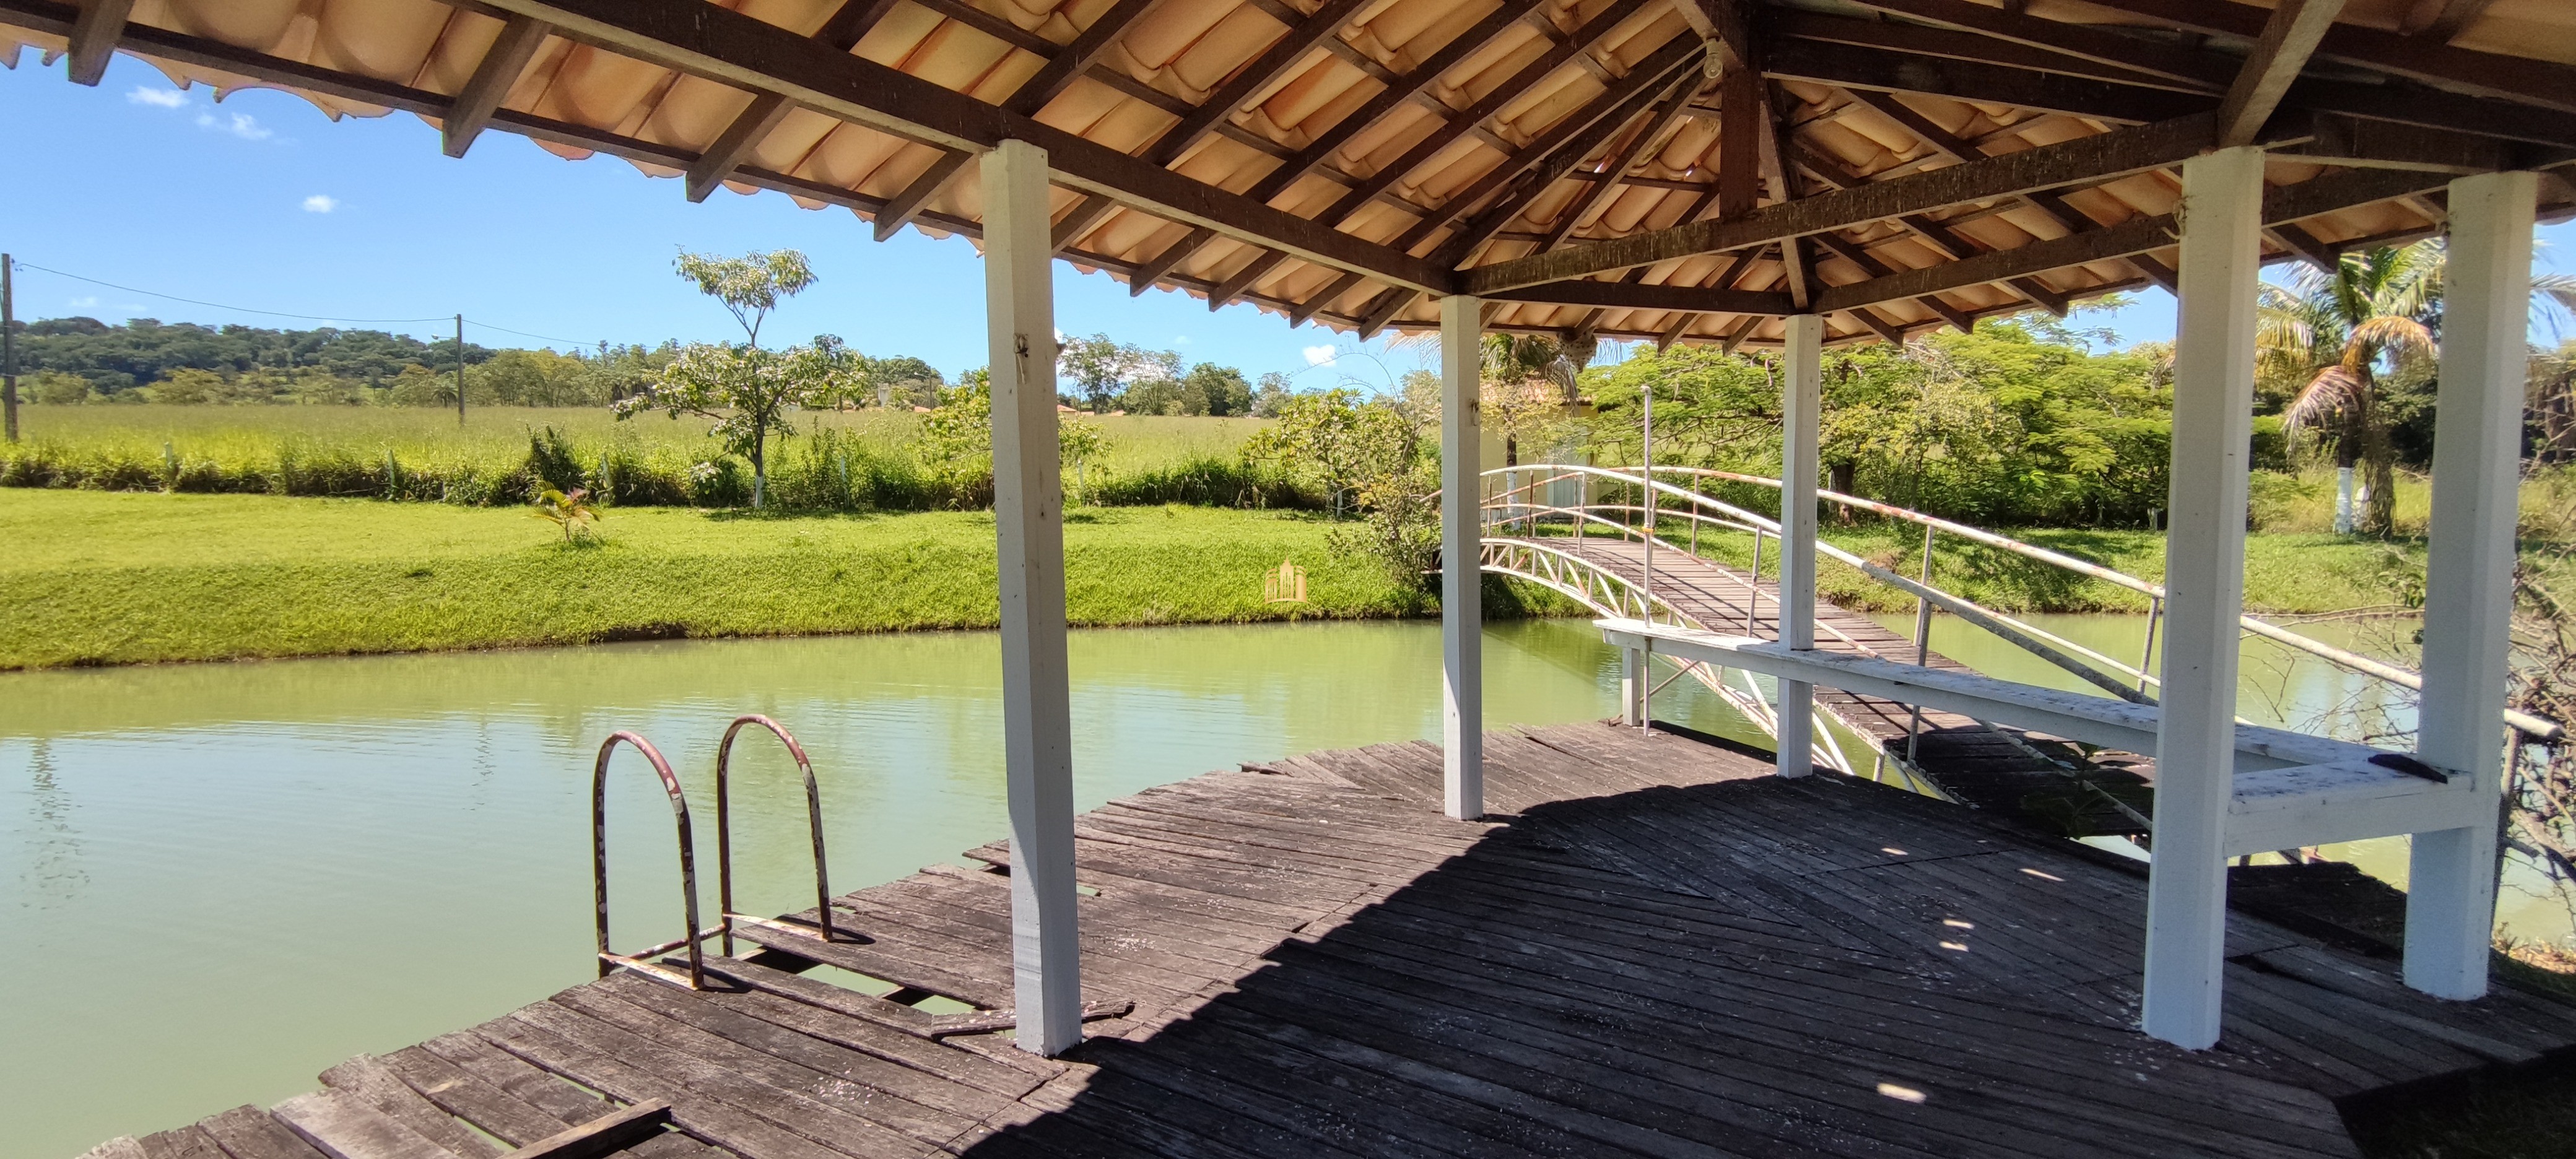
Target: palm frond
{"points": [[2332, 392]]}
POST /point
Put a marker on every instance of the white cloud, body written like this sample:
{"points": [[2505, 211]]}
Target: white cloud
{"points": [[321, 203], [84, 302], [242, 125], [1321, 355], [158, 98], [1180, 340]]}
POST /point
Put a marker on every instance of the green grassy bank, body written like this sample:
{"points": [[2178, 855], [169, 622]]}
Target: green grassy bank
{"points": [[94, 577], [110, 578]]}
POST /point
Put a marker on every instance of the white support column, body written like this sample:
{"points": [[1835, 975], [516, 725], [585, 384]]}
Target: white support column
{"points": [[1801, 398], [1633, 671], [2204, 594], [2468, 581], [1462, 612], [1037, 717]]}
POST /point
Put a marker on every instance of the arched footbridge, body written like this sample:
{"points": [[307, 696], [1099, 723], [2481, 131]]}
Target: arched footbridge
{"points": [[1593, 535]]}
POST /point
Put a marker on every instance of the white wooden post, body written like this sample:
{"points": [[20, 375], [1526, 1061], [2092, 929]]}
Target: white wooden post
{"points": [[1462, 616], [1037, 717], [1632, 686], [1801, 390], [2204, 594], [2468, 580]]}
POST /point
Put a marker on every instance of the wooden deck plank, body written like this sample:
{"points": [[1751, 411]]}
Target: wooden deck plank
{"points": [[1662, 951]]}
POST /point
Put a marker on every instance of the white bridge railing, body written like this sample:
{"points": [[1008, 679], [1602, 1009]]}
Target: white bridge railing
{"points": [[1553, 502]]}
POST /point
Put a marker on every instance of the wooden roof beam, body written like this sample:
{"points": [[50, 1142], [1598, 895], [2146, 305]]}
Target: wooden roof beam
{"points": [[2084, 159], [93, 38], [2528, 80], [1547, 157], [2284, 205], [1857, 67], [729, 47], [842, 30], [2452, 18], [1257, 74], [2290, 35], [2124, 52], [1466, 44], [1657, 125], [490, 85]]}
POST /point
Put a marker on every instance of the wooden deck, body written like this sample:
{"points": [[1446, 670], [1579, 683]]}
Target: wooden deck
{"points": [[1659, 950], [2035, 778]]}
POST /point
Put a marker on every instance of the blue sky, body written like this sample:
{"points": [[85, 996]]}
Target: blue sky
{"points": [[263, 203]]}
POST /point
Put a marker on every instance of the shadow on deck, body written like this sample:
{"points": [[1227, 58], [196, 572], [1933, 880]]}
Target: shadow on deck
{"points": [[1661, 951]]}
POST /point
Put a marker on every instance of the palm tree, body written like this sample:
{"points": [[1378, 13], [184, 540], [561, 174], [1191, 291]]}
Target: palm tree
{"points": [[2553, 403], [2329, 335]]}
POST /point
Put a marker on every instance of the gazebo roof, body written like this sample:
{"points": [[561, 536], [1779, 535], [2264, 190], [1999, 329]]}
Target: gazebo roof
{"points": [[1668, 169]]}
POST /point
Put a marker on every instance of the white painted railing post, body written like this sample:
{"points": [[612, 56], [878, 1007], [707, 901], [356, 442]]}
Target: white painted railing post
{"points": [[2468, 580], [2204, 594], [1462, 618], [1037, 717], [1801, 387]]}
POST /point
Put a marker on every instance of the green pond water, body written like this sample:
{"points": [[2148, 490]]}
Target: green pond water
{"points": [[221, 879]]}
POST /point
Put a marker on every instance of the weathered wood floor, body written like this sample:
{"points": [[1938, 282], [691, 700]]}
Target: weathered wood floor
{"points": [[1656, 950], [2033, 777]]}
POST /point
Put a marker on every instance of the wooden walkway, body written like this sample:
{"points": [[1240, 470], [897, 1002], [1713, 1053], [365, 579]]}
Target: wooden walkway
{"points": [[2033, 777], [1659, 950]]}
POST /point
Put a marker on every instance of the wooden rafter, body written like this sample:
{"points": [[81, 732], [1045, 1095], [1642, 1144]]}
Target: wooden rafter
{"points": [[2289, 36], [732, 48], [2121, 51], [1525, 175], [1647, 136], [2079, 161], [2517, 78], [493, 75], [1299, 39], [2451, 19], [842, 30], [93, 38], [1439, 139]]}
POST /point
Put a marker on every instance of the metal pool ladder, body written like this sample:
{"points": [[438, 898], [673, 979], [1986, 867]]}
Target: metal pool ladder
{"points": [[643, 961]]}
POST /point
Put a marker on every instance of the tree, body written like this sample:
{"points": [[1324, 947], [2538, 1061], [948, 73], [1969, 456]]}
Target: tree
{"points": [[749, 286], [1273, 395], [1103, 370], [750, 392], [1339, 442], [2552, 405], [2330, 337], [1210, 389]]}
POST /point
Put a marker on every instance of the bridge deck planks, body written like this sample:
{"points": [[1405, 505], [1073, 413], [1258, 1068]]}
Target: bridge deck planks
{"points": [[1653, 949], [1965, 759]]}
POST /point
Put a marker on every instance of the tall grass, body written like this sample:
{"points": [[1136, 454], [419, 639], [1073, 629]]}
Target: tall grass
{"points": [[840, 461]]}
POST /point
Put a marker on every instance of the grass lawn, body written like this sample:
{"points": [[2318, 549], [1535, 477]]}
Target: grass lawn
{"points": [[107, 578]]}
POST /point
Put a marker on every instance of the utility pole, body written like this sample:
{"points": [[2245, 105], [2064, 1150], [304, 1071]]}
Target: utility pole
{"points": [[8, 346], [460, 370]]}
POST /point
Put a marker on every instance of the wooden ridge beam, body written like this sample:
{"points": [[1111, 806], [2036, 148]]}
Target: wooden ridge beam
{"points": [[2290, 35], [842, 30], [735, 49], [1257, 74], [2084, 159], [499, 69], [92, 38]]}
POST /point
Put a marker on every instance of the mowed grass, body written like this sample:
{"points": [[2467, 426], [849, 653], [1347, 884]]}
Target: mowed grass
{"points": [[112, 578]]}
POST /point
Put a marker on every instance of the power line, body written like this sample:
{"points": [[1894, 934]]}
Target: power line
{"points": [[24, 265]]}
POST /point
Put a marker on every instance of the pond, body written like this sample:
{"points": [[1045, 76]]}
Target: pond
{"points": [[222, 879]]}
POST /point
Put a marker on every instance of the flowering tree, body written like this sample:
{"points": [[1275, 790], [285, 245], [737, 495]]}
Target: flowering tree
{"points": [[749, 392], [749, 286]]}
